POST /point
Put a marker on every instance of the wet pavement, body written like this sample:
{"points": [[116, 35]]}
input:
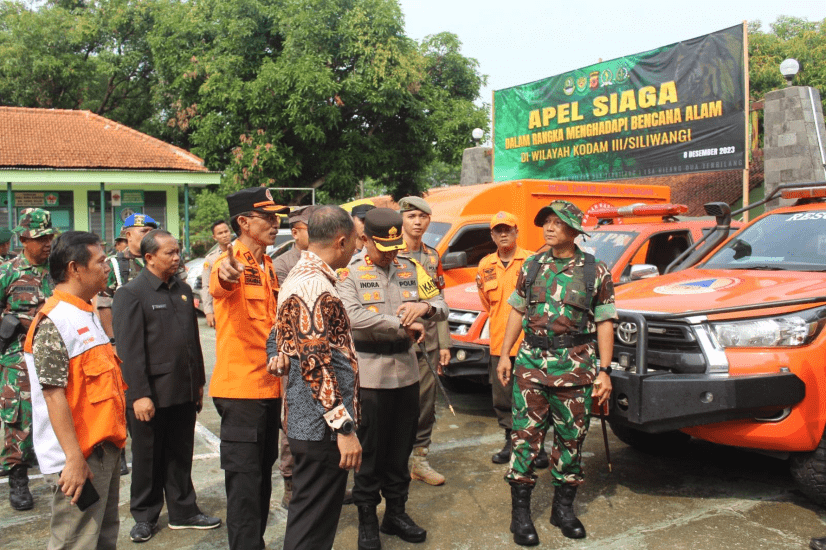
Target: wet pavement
{"points": [[705, 498]]}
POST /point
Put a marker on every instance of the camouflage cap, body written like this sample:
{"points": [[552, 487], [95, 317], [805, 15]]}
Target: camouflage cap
{"points": [[568, 212], [34, 223]]}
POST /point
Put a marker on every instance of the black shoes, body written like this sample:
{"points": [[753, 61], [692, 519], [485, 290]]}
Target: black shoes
{"points": [[562, 512], [124, 467], [397, 522], [368, 528], [542, 461], [20, 497], [142, 531], [524, 533], [818, 544], [503, 456], [198, 521]]}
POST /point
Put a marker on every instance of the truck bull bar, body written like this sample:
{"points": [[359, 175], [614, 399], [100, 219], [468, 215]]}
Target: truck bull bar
{"points": [[658, 401]]}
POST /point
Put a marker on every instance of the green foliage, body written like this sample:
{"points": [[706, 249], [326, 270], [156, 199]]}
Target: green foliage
{"points": [[790, 37], [283, 93]]}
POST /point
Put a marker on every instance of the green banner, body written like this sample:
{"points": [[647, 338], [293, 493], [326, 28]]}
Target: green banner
{"points": [[676, 109]]}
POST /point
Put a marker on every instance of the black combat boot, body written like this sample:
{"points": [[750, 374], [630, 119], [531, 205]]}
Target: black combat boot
{"points": [[503, 456], [562, 512], [397, 522], [368, 528], [524, 533], [541, 461], [20, 497]]}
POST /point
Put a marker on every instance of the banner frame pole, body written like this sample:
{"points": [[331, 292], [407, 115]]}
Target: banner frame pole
{"points": [[492, 136], [747, 113]]}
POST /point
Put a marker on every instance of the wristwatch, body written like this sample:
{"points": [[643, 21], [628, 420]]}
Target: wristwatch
{"points": [[346, 428], [607, 370]]}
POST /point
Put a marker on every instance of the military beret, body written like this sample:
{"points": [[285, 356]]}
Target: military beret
{"points": [[414, 203], [5, 235]]}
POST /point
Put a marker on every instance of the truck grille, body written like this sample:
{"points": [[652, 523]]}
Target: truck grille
{"points": [[671, 346], [460, 320]]}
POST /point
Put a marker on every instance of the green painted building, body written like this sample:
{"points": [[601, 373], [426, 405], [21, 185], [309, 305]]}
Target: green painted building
{"points": [[91, 172]]}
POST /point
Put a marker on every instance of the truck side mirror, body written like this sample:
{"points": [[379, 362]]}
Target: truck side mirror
{"points": [[453, 260], [643, 271]]}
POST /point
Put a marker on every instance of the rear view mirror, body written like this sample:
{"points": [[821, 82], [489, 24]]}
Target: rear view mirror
{"points": [[643, 271], [453, 260]]}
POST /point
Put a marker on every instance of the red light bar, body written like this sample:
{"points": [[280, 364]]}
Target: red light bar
{"points": [[640, 210], [804, 193]]}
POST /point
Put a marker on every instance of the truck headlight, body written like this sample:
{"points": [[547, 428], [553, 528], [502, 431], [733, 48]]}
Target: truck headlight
{"points": [[797, 329]]}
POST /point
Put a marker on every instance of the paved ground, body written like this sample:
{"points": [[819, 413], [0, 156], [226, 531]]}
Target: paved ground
{"points": [[707, 498]]}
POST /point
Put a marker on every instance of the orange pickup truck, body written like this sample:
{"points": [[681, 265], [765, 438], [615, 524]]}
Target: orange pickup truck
{"points": [[733, 351], [634, 243]]}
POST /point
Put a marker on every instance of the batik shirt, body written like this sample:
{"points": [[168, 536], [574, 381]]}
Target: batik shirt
{"points": [[313, 329], [561, 287]]}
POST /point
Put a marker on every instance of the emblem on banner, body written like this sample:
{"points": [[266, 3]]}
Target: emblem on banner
{"points": [[568, 86]]}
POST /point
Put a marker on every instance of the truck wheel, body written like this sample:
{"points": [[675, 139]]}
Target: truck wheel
{"points": [[654, 444], [809, 472]]}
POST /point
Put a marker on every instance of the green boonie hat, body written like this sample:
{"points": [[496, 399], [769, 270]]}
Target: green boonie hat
{"points": [[414, 203], [34, 223], [5, 235], [568, 212]]}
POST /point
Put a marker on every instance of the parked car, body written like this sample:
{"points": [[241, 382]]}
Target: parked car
{"points": [[733, 351]]}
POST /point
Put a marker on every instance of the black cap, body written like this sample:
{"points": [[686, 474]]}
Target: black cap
{"points": [[361, 210], [384, 226], [253, 199]]}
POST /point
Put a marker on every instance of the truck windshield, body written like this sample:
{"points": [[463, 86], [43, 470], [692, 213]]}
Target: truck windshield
{"points": [[607, 246], [787, 242], [436, 231]]}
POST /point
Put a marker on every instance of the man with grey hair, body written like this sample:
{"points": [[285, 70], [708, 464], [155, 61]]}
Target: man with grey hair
{"points": [[321, 365], [157, 334]]}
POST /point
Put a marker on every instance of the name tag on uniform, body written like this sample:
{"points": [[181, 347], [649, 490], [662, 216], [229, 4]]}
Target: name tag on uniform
{"points": [[159, 306]]}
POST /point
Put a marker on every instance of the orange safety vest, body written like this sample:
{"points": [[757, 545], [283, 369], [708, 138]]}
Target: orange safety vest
{"points": [[244, 317], [95, 386]]}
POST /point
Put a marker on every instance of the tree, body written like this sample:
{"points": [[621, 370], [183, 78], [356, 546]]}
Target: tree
{"points": [[313, 92], [75, 55], [792, 37]]}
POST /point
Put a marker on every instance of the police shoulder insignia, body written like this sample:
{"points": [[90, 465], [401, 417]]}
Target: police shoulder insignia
{"points": [[183, 297], [343, 273]]}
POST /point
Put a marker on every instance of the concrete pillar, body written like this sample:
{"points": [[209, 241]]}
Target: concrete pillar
{"points": [[476, 166], [792, 152]]}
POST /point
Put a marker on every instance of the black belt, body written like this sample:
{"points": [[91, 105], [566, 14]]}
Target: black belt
{"points": [[560, 341], [382, 348]]}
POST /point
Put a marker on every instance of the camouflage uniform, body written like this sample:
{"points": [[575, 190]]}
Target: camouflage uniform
{"points": [[136, 264], [557, 381], [23, 291]]}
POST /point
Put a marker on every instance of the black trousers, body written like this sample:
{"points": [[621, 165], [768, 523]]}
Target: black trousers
{"points": [[249, 447], [318, 494], [387, 429], [162, 463]]}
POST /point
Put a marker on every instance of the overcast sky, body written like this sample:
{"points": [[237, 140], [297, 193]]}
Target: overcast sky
{"points": [[519, 41]]}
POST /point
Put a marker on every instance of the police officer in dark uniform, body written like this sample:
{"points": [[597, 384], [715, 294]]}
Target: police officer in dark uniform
{"points": [[384, 295]]}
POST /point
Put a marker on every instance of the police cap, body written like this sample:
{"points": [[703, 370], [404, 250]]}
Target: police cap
{"points": [[361, 210], [139, 220], [384, 226]]}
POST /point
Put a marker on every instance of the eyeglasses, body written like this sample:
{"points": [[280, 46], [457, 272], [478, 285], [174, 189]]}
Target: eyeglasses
{"points": [[272, 219]]}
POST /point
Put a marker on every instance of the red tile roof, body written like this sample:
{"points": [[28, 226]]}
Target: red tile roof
{"points": [[82, 140], [694, 190]]}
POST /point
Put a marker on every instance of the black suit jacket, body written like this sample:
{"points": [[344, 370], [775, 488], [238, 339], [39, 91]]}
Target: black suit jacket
{"points": [[156, 336]]}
